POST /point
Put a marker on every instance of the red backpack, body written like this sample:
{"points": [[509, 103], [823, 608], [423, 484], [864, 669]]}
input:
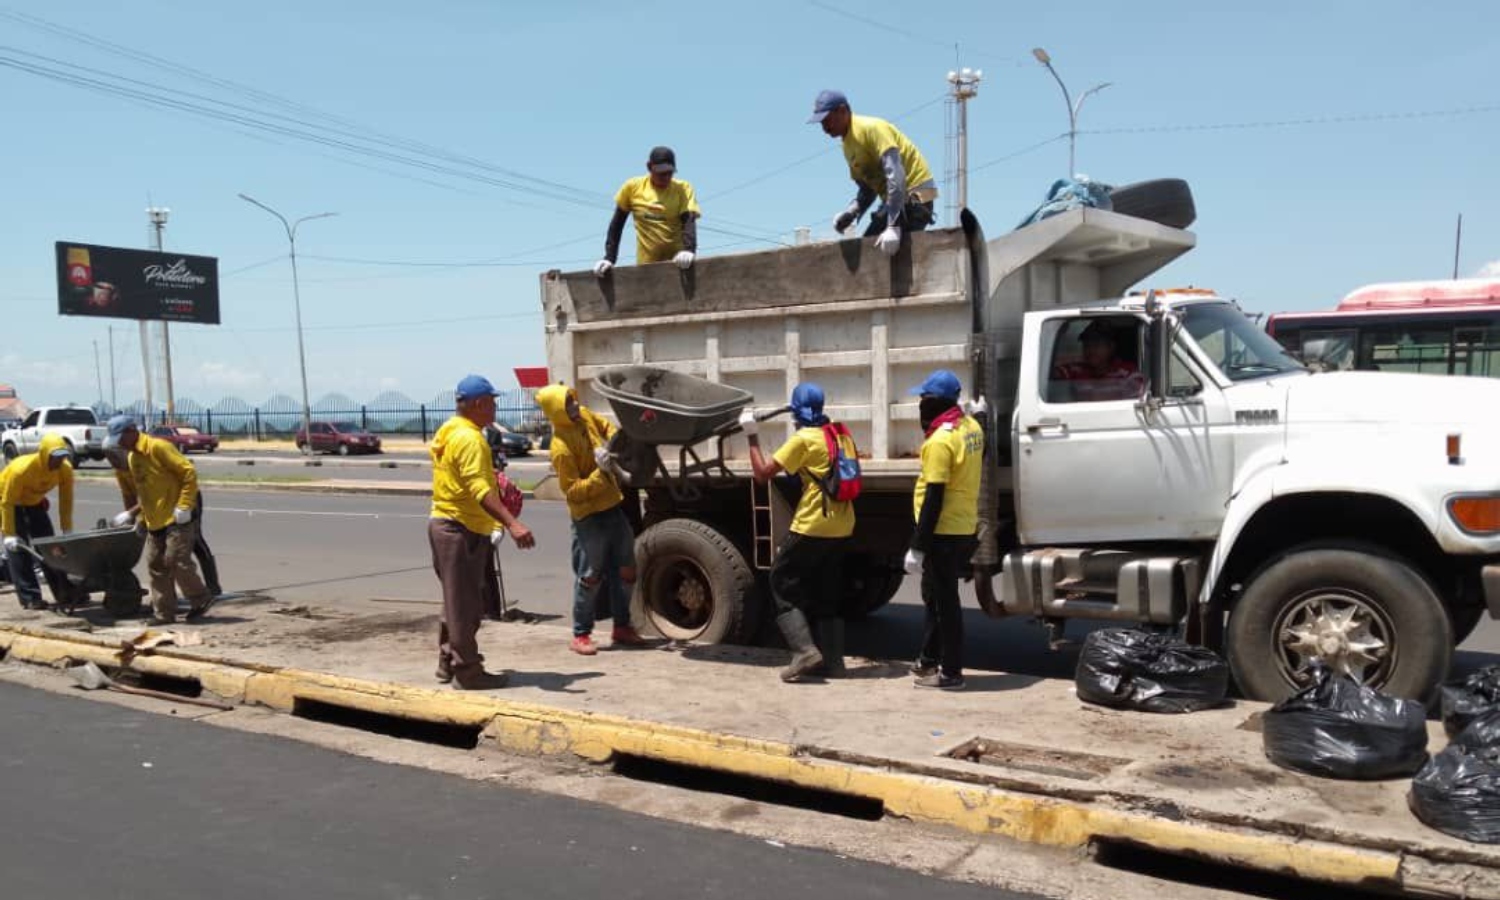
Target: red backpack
{"points": [[844, 480]]}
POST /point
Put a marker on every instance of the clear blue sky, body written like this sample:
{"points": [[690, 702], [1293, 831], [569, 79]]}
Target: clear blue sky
{"points": [[573, 94]]}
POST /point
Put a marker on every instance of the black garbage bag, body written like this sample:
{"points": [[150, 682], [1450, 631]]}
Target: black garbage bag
{"points": [[1458, 791], [1338, 728], [1138, 670], [1467, 699]]}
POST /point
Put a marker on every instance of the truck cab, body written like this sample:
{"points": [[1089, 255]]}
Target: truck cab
{"points": [[79, 427]]}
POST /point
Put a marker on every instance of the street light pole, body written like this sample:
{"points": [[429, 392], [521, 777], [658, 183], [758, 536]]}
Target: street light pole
{"points": [[1073, 108], [291, 239]]}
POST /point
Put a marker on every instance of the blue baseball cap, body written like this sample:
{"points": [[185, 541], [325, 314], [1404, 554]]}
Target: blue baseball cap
{"points": [[827, 102], [118, 425], [941, 383], [474, 386]]}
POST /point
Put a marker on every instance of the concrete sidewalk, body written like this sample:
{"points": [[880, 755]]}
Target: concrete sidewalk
{"points": [[1012, 755]]}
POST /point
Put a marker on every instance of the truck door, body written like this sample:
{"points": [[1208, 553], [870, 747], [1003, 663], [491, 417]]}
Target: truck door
{"points": [[1095, 464], [31, 432]]}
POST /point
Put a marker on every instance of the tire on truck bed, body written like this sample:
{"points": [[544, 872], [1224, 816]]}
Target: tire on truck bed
{"points": [[1166, 201]]}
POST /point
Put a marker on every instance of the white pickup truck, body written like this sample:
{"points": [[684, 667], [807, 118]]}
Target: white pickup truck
{"points": [[77, 425], [1202, 482]]}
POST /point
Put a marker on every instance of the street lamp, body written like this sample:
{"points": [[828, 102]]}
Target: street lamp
{"points": [[291, 239], [1073, 108]]}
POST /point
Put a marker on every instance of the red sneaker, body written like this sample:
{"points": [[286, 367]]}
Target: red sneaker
{"points": [[626, 636], [583, 645]]}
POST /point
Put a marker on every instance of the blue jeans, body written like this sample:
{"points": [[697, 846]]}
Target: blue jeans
{"points": [[603, 544]]}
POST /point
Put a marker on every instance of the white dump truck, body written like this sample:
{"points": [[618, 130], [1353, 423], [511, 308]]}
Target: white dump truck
{"points": [[1201, 480]]}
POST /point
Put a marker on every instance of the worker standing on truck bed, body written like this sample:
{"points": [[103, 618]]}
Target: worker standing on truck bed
{"points": [[466, 524], [24, 485], [603, 541], [885, 165], [167, 486], [666, 216], [805, 576], [946, 506]]}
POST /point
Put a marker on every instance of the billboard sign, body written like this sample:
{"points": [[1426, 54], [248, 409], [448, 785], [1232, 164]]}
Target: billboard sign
{"points": [[136, 284]]}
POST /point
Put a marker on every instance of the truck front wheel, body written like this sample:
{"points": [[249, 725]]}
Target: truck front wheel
{"points": [[693, 584], [10, 451], [1359, 612]]}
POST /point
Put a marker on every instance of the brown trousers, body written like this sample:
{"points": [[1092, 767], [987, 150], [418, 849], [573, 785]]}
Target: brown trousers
{"points": [[458, 557], [169, 560]]}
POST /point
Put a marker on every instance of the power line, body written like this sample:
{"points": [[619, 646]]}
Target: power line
{"points": [[895, 29], [1339, 119], [1029, 148]]}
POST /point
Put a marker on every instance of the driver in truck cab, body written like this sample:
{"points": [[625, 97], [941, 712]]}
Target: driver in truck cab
{"points": [[603, 541], [1101, 374], [24, 485]]}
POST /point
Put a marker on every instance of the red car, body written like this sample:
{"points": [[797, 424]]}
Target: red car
{"points": [[342, 438], [186, 438]]}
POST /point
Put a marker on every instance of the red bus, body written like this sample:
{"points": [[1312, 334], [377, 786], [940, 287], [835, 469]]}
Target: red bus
{"points": [[1437, 327]]}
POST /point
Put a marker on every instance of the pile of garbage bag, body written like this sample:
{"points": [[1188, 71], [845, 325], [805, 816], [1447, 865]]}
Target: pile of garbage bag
{"points": [[1458, 791], [1467, 699], [1138, 670], [1338, 728]]}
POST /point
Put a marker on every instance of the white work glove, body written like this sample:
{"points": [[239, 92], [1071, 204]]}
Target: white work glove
{"points": [[684, 260], [12, 544], [122, 519], [602, 267], [978, 407], [843, 220], [913, 562], [748, 424], [889, 241], [497, 537], [602, 458], [182, 516]]}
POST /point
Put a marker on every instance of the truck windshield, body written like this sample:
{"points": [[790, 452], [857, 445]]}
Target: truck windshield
{"points": [[1240, 350]]}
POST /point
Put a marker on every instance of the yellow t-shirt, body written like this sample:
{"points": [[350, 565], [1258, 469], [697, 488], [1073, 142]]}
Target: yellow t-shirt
{"points": [[952, 456], [868, 138], [463, 474], [806, 453], [657, 215]]}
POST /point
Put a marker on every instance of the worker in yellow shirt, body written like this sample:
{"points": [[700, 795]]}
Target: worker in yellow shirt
{"points": [[885, 165], [805, 575], [666, 216], [946, 508], [24, 485], [466, 523], [166, 486]]}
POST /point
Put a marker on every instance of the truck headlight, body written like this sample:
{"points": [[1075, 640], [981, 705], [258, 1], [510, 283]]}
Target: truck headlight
{"points": [[1476, 513]]}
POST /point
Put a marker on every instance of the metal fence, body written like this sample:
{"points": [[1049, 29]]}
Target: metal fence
{"points": [[280, 416]]}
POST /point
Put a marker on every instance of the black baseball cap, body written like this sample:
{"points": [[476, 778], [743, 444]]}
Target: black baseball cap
{"points": [[662, 159]]}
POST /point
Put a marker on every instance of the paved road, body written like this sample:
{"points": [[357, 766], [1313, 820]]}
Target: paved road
{"points": [[385, 467], [110, 802], [371, 552]]}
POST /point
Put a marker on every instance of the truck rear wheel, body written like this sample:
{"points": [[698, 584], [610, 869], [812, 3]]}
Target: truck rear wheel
{"points": [[10, 451], [870, 581], [693, 584], [1359, 612]]}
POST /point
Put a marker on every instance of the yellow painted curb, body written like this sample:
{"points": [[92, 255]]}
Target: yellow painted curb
{"points": [[536, 729]]}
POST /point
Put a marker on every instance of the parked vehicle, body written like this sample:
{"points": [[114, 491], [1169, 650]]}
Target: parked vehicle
{"points": [[514, 443], [186, 438], [1231, 496], [342, 438], [1434, 327], [79, 428]]}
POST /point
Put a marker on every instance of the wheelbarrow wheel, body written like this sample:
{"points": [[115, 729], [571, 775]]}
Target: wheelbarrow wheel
{"points": [[122, 599]]}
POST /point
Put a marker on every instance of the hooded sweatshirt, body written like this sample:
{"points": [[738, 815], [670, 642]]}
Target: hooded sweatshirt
{"points": [[28, 480], [463, 474], [587, 488]]}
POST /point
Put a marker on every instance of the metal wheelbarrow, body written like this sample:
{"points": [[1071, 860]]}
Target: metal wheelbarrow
{"points": [[658, 407], [100, 560]]}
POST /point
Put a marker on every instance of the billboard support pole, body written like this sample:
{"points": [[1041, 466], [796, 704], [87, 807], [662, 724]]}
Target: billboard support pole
{"points": [[158, 216]]}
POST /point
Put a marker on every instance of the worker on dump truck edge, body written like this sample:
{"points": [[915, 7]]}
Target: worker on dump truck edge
{"points": [[885, 165], [468, 521], [806, 574], [24, 485], [666, 214], [603, 541], [946, 506], [119, 460], [167, 485]]}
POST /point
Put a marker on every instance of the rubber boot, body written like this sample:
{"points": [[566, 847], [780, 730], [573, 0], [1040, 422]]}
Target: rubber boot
{"points": [[805, 655], [831, 645]]}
